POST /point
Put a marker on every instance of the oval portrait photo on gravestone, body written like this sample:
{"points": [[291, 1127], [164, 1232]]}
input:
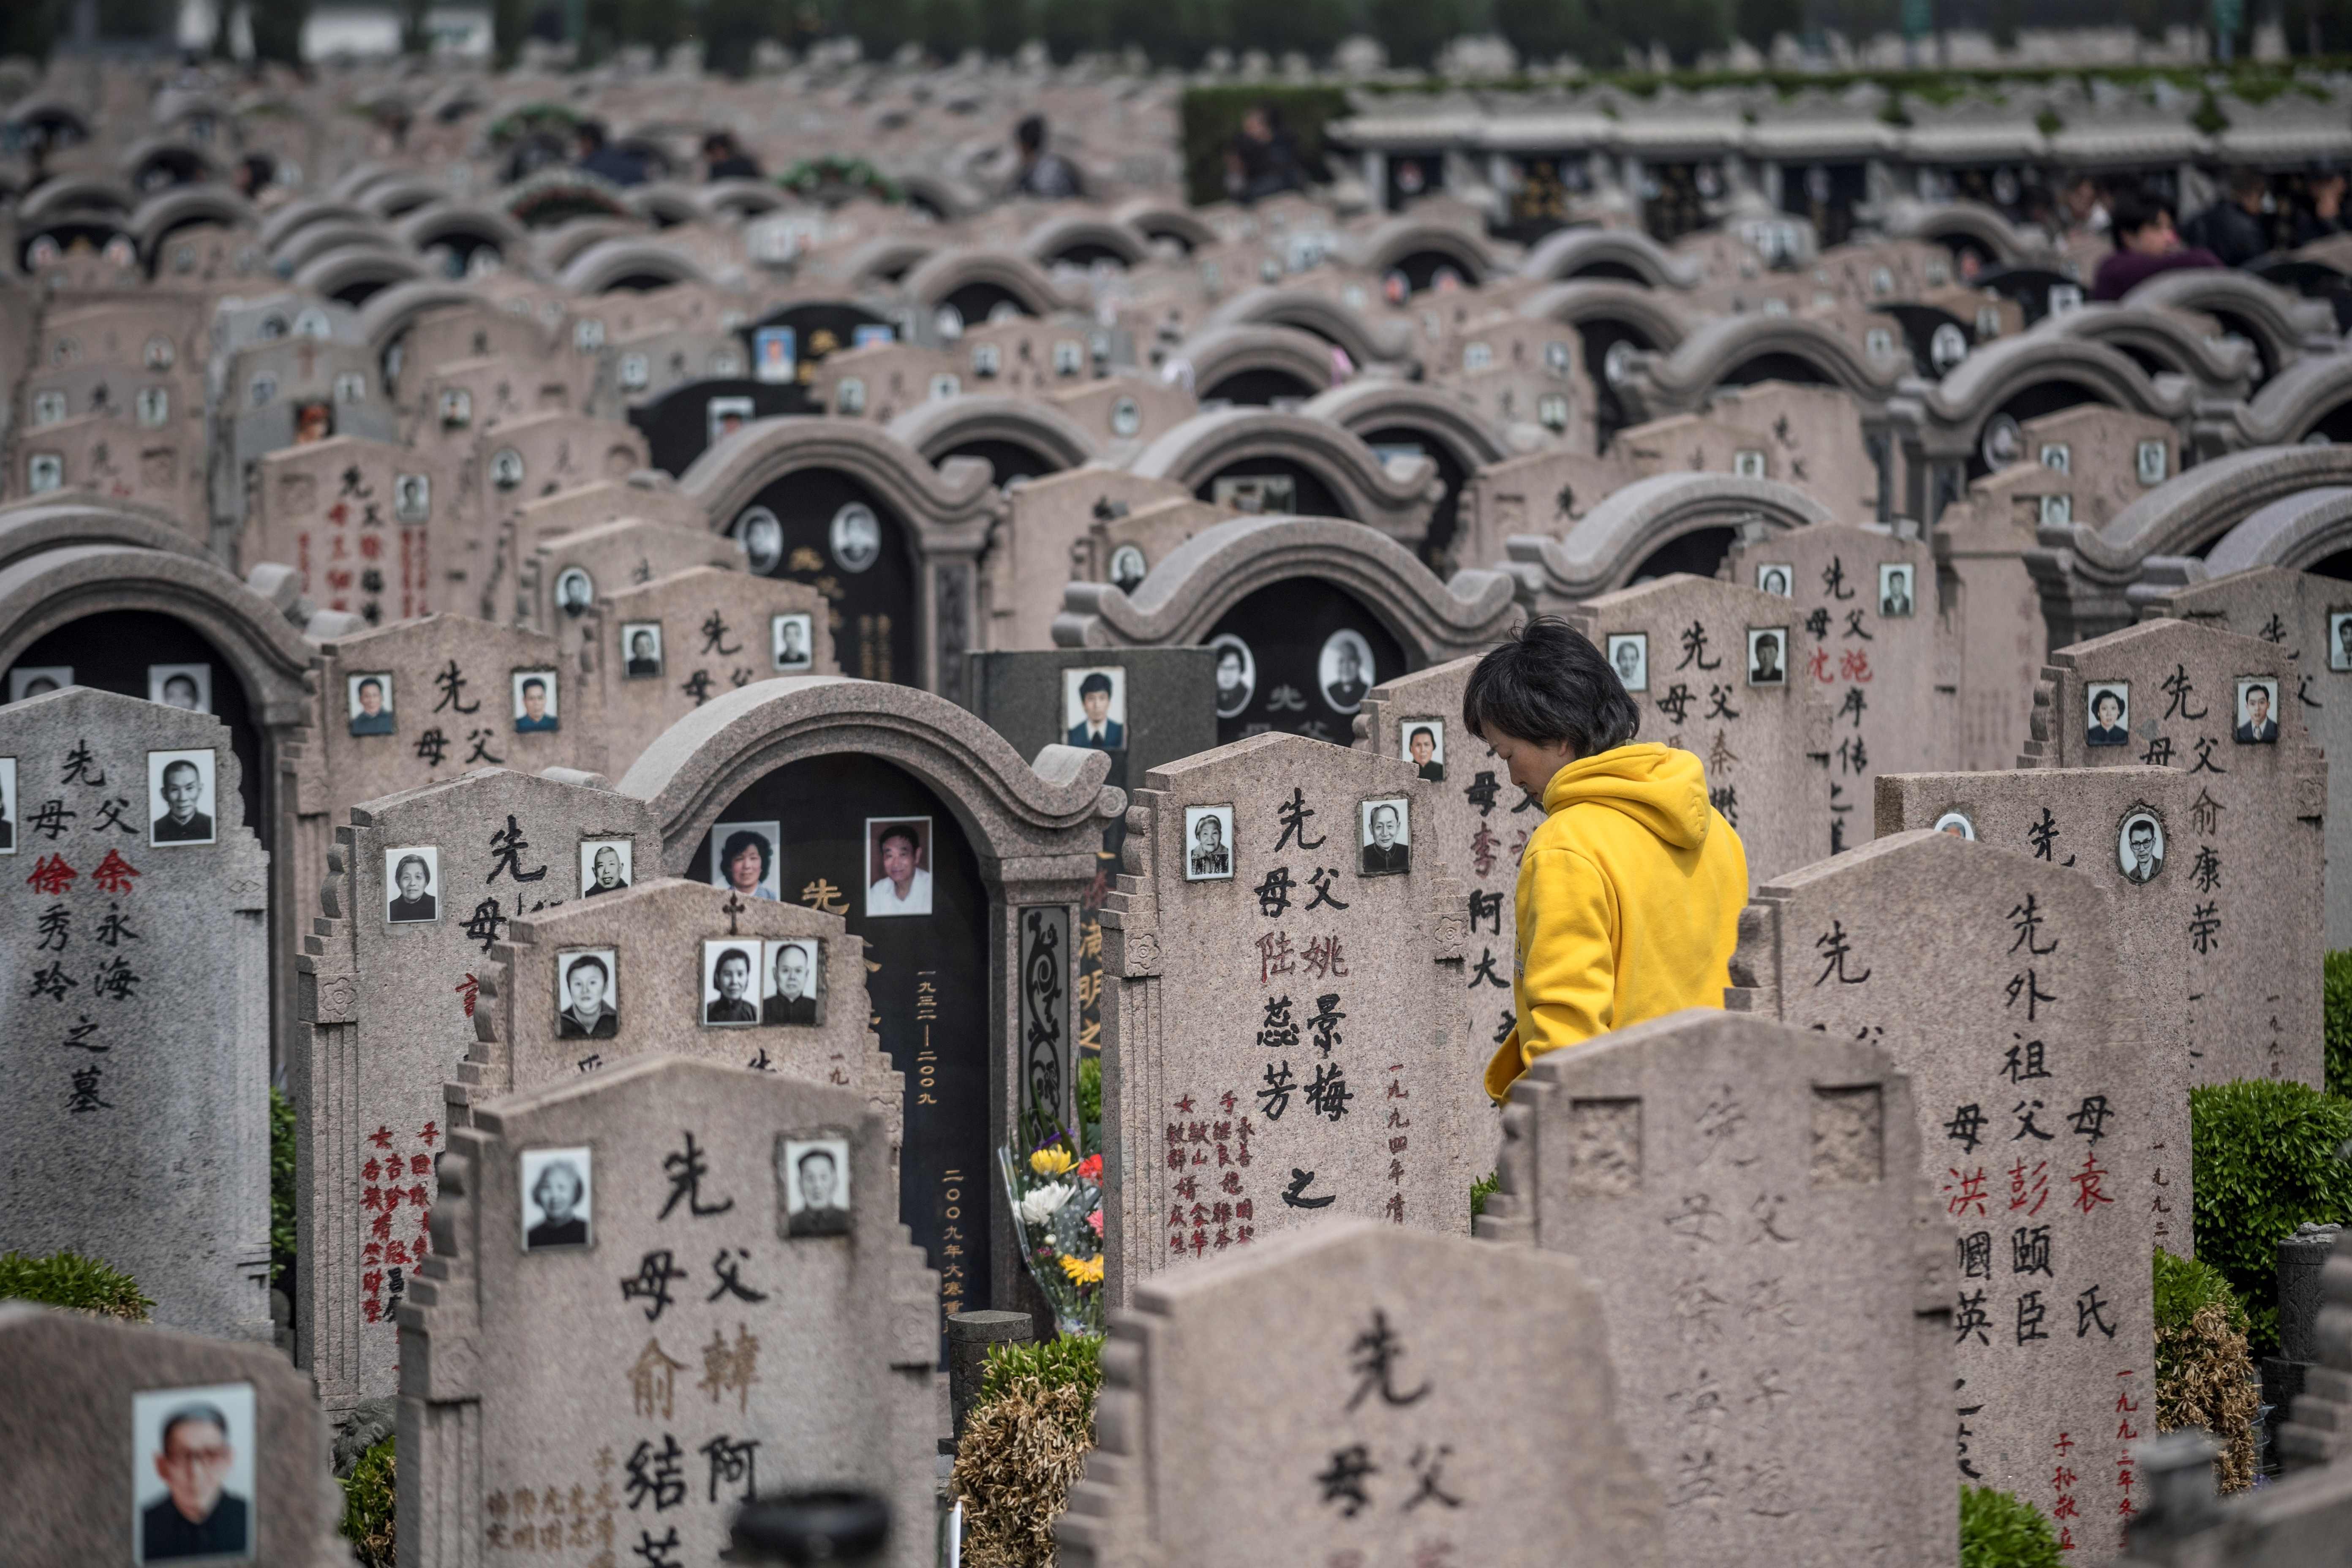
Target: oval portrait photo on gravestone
{"points": [[762, 538], [730, 983], [899, 866], [1128, 568], [192, 1474], [605, 866], [1384, 830], [558, 1191], [574, 591], [1629, 656], [789, 989], [1957, 825], [854, 536], [1236, 674], [180, 804], [506, 469], [1344, 670], [813, 1180], [1894, 590], [587, 994], [1423, 744], [743, 857], [791, 639], [641, 650], [187, 687], [2257, 711], [1768, 656], [535, 710], [2139, 844], [1776, 578], [367, 702], [412, 885], [1208, 843], [2107, 705]]}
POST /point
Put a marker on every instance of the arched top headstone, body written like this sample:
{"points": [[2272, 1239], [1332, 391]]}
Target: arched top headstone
{"points": [[1601, 550], [1190, 590], [1394, 499], [957, 494], [1079, 235], [1993, 376], [1721, 348], [356, 273], [636, 264], [1157, 219], [1319, 314], [2221, 367], [940, 425], [1409, 234], [2187, 513], [1595, 254], [79, 517], [2282, 325], [946, 272], [1268, 354], [1651, 313], [1370, 404], [2294, 402]]}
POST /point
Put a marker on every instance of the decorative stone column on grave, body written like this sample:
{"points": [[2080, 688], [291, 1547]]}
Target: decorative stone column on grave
{"points": [[1988, 978], [749, 1222], [823, 766], [135, 1031], [1316, 870], [1749, 1183]]}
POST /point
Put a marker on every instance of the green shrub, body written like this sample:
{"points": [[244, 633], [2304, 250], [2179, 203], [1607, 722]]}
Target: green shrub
{"points": [[2263, 1161], [1075, 1361], [1998, 1531], [1090, 1091], [69, 1279], [281, 1192], [1481, 1190], [2336, 994], [2204, 1376], [368, 1494]]}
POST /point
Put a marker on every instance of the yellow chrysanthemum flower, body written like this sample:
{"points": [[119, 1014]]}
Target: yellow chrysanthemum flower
{"points": [[1051, 1161], [1081, 1271]]}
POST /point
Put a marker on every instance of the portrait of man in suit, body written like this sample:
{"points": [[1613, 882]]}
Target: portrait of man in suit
{"points": [[816, 1187], [645, 661], [535, 706], [1095, 727], [1893, 590], [1345, 688], [183, 820], [1386, 849], [2255, 725], [795, 998], [371, 710], [2142, 848]]}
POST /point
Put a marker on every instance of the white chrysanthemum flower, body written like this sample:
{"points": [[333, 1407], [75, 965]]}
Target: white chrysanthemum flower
{"points": [[1038, 1206]]}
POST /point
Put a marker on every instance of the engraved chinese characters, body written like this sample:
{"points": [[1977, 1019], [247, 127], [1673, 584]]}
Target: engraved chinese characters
{"points": [[1988, 978], [422, 887], [134, 1030], [1717, 661], [1286, 1033], [1364, 1397], [2252, 842], [1746, 1198], [653, 1292]]}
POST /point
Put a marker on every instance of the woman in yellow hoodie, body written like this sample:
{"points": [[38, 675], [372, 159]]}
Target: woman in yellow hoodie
{"points": [[1630, 888]]}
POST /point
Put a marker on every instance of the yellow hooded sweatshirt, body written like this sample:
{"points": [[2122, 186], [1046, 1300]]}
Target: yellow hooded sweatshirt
{"points": [[1628, 903]]}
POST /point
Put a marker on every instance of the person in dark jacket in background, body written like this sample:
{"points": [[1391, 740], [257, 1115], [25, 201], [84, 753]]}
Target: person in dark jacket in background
{"points": [[598, 156], [2325, 216], [1262, 160], [2235, 228], [2145, 244], [726, 158]]}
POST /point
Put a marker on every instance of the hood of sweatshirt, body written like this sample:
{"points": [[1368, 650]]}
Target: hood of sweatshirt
{"points": [[1662, 787]]}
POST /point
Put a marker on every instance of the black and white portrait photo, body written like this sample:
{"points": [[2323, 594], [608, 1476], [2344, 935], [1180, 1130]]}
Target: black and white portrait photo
{"points": [[1208, 843], [731, 981], [1425, 747], [535, 712], [1768, 656], [412, 885], [792, 982], [1775, 578], [2152, 461], [898, 865], [2339, 639], [2056, 511], [192, 1470], [1125, 419], [44, 472], [2257, 711], [367, 702], [1957, 825], [1128, 568], [856, 537], [1236, 674], [457, 409], [1629, 656], [813, 1172], [641, 650], [2058, 457], [726, 415], [743, 857], [1094, 708], [574, 591], [2109, 716], [180, 806], [8, 806], [152, 405], [792, 641], [762, 538], [187, 687], [587, 994], [1344, 670], [2139, 846], [411, 498], [506, 469], [558, 1198], [605, 866], [1385, 841], [1894, 590], [35, 679]]}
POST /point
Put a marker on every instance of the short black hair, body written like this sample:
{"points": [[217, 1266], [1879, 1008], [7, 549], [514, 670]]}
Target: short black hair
{"points": [[1546, 683], [1030, 134], [1096, 680], [591, 131], [736, 954], [591, 962], [2134, 210], [741, 840], [900, 830], [534, 681], [206, 1413], [2114, 697]]}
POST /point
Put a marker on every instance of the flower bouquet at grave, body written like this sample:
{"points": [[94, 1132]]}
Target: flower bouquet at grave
{"points": [[1057, 1202]]}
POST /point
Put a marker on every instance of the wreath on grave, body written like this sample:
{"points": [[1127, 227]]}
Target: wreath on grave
{"points": [[834, 181], [552, 118]]}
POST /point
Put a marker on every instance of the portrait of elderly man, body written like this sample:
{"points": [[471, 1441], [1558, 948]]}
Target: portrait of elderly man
{"points": [[198, 1516], [819, 1191], [373, 718], [183, 792], [1383, 854], [795, 998]]}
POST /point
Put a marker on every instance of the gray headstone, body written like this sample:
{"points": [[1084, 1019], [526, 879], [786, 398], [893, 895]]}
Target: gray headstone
{"points": [[137, 1027], [592, 1365], [1355, 1394], [1779, 1308]]}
